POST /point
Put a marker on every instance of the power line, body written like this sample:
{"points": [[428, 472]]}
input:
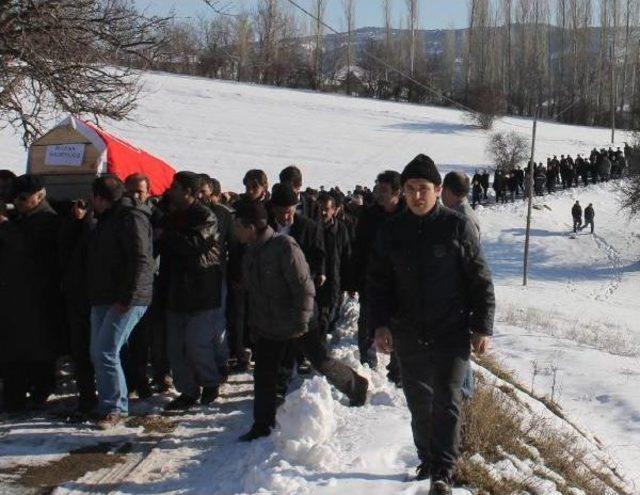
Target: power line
{"points": [[403, 74], [388, 66]]}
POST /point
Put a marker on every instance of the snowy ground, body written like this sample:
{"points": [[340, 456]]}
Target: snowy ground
{"points": [[579, 314], [577, 319]]}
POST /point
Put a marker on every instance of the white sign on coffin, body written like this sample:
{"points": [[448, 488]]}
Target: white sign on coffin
{"points": [[64, 155]]}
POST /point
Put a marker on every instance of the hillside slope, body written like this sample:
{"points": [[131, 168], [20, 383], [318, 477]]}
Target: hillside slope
{"points": [[224, 128]]}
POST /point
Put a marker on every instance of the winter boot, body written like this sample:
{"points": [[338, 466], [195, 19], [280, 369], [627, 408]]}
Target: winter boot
{"points": [[423, 472], [109, 421], [359, 396], [181, 403], [144, 390], [440, 482], [256, 431], [440, 487], [209, 394]]}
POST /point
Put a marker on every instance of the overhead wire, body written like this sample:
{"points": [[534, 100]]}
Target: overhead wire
{"points": [[409, 77]]}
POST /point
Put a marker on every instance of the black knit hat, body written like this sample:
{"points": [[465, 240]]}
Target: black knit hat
{"points": [[251, 212], [27, 184], [422, 167], [284, 195]]}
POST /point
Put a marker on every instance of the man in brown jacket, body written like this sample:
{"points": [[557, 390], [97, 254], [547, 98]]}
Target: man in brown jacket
{"points": [[281, 309]]}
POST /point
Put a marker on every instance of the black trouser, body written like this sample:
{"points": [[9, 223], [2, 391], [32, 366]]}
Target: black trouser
{"points": [[135, 354], [365, 334], [268, 370], [577, 223], [78, 317], [158, 334], [432, 383], [148, 342], [237, 322], [326, 319], [588, 222], [36, 378]]}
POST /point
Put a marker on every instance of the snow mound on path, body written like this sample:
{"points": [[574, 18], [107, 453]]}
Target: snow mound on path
{"points": [[307, 422]]}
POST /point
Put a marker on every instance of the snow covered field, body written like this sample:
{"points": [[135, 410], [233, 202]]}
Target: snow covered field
{"points": [[224, 128], [577, 320]]}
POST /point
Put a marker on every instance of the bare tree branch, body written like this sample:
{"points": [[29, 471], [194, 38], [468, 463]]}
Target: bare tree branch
{"points": [[71, 55]]}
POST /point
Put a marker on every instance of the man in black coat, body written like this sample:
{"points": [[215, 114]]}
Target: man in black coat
{"points": [[337, 247], [210, 195], [485, 183], [150, 329], [307, 206], [30, 298], [285, 220], [576, 213], [75, 232], [388, 204], [430, 298], [120, 277], [589, 216], [256, 189], [192, 277]]}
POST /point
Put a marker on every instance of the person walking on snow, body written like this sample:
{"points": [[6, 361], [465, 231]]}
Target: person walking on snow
{"points": [[281, 295], [431, 298], [120, 273], [589, 215], [576, 213]]}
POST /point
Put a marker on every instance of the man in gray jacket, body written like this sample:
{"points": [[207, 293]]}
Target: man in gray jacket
{"points": [[281, 310], [455, 192]]}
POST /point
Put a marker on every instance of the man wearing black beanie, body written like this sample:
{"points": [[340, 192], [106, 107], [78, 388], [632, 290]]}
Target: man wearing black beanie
{"points": [[430, 298]]}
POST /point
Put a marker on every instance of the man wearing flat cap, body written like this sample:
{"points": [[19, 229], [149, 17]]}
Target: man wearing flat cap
{"points": [[430, 299], [281, 314], [30, 297]]}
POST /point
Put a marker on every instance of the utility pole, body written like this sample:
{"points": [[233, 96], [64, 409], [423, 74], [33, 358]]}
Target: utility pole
{"points": [[531, 172]]}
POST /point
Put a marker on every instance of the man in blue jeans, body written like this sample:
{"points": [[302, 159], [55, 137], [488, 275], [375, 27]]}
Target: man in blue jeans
{"points": [[120, 281]]}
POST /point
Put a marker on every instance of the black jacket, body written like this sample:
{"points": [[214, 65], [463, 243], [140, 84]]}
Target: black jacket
{"points": [[308, 235], [428, 279], [576, 212], [191, 271], [589, 214], [31, 302], [371, 219], [337, 263], [120, 256], [308, 207], [227, 240]]}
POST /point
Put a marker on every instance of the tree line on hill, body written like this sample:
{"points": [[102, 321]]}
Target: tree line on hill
{"points": [[577, 60]]}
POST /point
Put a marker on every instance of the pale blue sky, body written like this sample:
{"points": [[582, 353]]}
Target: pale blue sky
{"points": [[434, 14]]}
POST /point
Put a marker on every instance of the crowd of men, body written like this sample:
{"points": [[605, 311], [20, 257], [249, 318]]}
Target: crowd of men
{"points": [[563, 173], [145, 294]]}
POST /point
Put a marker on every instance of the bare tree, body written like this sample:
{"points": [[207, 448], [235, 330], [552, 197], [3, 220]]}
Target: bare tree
{"points": [[268, 17], [319, 7], [508, 150], [412, 22], [243, 45], [388, 35], [60, 55], [349, 7]]}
